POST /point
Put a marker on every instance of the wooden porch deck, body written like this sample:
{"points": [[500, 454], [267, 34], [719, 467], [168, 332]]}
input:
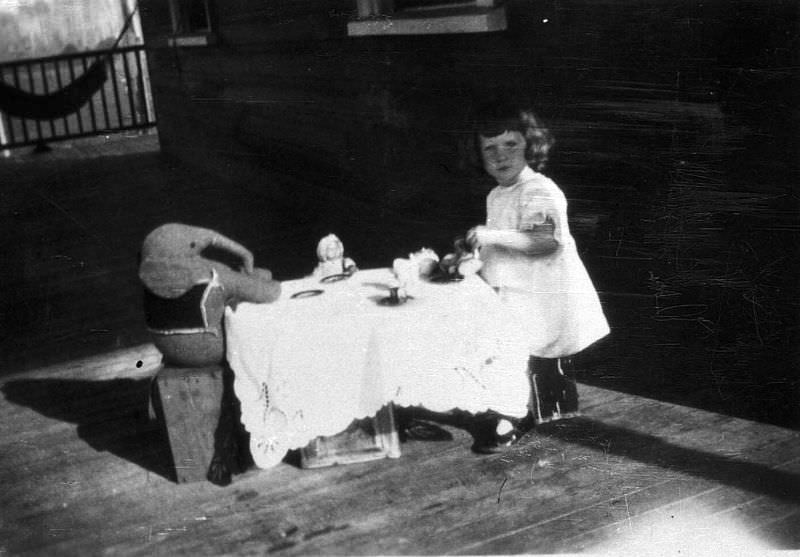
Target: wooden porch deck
{"points": [[85, 473]]}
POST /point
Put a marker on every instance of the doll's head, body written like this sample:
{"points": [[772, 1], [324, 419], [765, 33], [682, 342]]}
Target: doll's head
{"points": [[498, 118], [330, 248]]}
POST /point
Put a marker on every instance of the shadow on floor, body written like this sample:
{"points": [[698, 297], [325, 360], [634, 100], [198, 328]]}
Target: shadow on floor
{"points": [[111, 416], [637, 446], [650, 449]]}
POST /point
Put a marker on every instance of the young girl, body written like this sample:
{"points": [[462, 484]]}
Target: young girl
{"points": [[530, 258]]}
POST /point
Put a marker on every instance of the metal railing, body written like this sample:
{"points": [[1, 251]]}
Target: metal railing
{"points": [[122, 103]]}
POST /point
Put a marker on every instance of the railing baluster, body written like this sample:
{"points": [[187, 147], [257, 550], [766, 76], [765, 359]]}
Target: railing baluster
{"points": [[103, 92], [6, 125], [130, 88], [39, 133], [47, 92], [140, 85], [90, 104], [6, 137], [116, 90], [22, 123], [71, 67], [78, 113], [60, 84]]}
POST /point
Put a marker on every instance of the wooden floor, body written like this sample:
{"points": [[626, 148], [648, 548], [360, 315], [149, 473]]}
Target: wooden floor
{"points": [[85, 473]]}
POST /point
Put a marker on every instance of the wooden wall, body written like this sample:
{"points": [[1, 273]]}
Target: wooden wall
{"points": [[630, 88]]}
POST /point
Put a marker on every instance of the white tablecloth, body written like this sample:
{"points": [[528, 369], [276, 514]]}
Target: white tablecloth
{"points": [[306, 367]]}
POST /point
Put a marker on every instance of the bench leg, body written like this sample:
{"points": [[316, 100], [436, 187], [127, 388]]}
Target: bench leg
{"points": [[198, 412]]}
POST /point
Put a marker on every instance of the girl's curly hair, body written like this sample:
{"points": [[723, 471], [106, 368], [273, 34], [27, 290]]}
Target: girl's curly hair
{"points": [[494, 119]]}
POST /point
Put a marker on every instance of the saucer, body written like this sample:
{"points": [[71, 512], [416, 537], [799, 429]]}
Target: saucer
{"points": [[392, 301], [442, 277], [334, 278], [307, 293]]}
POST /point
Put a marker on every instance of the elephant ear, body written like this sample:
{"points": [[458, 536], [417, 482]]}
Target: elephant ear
{"points": [[171, 278]]}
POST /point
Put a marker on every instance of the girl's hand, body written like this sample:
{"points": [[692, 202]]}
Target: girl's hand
{"points": [[476, 237]]}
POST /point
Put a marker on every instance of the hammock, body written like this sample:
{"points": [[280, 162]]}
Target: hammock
{"points": [[16, 102], [65, 101]]}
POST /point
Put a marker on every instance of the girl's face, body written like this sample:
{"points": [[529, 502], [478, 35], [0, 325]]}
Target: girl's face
{"points": [[504, 156]]}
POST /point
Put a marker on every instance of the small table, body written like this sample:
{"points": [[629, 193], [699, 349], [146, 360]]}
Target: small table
{"points": [[307, 366]]}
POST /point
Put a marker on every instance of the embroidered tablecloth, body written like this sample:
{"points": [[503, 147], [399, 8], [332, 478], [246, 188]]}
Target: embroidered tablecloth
{"points": [[309, 366]]}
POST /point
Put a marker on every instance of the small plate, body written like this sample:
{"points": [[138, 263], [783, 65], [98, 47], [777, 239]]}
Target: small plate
{"points": [[392, 301], [334, 278], [307, 293], [444, 277]]}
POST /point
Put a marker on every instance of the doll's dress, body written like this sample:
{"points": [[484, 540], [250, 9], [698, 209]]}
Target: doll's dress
{"points": [[334, 267], [187, 313]]}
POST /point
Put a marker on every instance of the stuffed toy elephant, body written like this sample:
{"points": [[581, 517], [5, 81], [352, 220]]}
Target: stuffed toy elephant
{"points": [[190, 274]]}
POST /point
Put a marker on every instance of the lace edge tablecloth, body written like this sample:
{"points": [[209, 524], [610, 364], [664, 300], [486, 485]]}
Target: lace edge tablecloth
{"points": [[309, 367]]}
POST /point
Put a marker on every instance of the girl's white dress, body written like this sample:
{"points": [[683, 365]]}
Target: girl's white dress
{"points": [[552, 295]]}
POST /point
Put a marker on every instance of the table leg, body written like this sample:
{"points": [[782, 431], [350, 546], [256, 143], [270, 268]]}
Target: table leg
{"points": [[364, 440]]}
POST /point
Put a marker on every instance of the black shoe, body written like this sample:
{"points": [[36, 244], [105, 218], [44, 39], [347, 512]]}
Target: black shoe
{"points": [[488, 441], [419, 430], [524, 425]]}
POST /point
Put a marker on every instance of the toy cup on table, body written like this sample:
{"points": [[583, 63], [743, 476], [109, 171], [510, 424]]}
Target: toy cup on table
{"points": [[462, 262], [407, 273], [427, 261]]}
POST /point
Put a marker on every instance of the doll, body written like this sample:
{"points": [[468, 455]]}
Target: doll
{"points": [[189, 275], [426, 260], [332, 261]]}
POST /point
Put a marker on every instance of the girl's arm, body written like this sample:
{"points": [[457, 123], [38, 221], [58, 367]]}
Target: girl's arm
{"points": [[538, 241]]}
